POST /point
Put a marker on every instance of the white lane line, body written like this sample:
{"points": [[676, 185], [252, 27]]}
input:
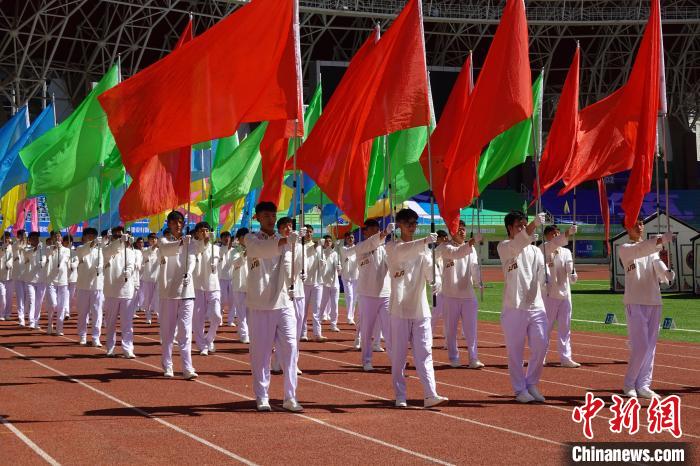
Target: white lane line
{"points": [[138, 410], [35, 448]]}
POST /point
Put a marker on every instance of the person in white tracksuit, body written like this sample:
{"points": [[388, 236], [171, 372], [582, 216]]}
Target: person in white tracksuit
{"points": [[45, 272], [59, 300], [460, 272], [374, 290], [557, 297], [237, 261], [349, 274], [224, 273], [207, 290], [34, 263], [644, 270], [149, 278], [330, 268], [271, 315], [18, 266], [438, 304], [284, 228], [119, 265], [411, 268], [523, 315], [177, 263], [90, 285], [137, 247], [6, 285], [313, 286], [72, 271]]}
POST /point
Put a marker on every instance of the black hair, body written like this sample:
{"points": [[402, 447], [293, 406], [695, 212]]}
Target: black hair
{"points": [[462, 224], [90, 231], [405, 215], [512, 217], [225, 233], [347, 234], [309, 227], [152, 235], [202, 225], [371, 222], [118, 228], [265, 206], [284, 221], [33, 234], [327, 237], [176, 216], [242, 232], [103, 233], [68, 238], [550, 228], [6, 234], [21, 233], [442, 234]]}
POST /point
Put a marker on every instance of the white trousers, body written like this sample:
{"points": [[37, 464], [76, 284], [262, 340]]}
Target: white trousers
{"points": [[5, 298], [559, 311], [90, 303], [371, 309], [30, 304], [41, 289], [207, 306], [59, 302], [121, 309], [313, 306], [417, 332], [350, 289], [642, 333], [226, 288], [20, 295], [176, 313], [517, 326], [273, 328], [454, 310], [238, 299], [329, 303], [149, 296]]}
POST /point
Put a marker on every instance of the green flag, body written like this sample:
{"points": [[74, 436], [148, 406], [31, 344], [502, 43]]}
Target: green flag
{"points": [[405, 149], [67, 155], [375, 174], [510, 148], [237, 168]]}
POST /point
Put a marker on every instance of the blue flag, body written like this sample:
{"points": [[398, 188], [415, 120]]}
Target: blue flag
{"points": [[12, 139], [249, 209]]}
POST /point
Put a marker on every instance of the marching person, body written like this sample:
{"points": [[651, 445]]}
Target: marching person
{"points": [[149, 278], [119, 265], [411, 268], [557, 299], [34, 262], [72, 271], [45, 272], [523, 315], [349, 274], [176, 295], [271, 314], [90, 296], [460, 272], [6, 285], [439, 304], [330, 268], [313, 286], [237, 260], [224, 272], [284, 228], [374, 289], [59, 301], [136, 245], [207, 290], [644, 270], [18, 266]]}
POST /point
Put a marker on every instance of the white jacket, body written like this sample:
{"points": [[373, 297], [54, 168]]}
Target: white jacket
{"points": [[314, 269], [34, 263], [90, 268], [298, 262], [138, 266], [523, 271], [60, 260], [225, 269], [6, 263], [119, 268], [269, 273], [644, 270], [410, 268], [348, 262], [18, 262], [73, 267], [206, 272], [176, 260], [560, 264], [238, 267], [151, 264], [373, 268], [46, 271], [330, 263], [460, 270]]}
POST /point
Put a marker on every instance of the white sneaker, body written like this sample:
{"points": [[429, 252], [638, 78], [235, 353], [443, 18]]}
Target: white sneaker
{"points": [[334, 328], [292, 405], [377, 348], [299, 372], [21, 324], [356, 344], [212, 348], [231, 324], [435, 401], [189, 375], [148, 322], [304, 338], [400, 404], [263, 404], [83, 341], [351, 322], [245, 340], [169, 372], [60, 334], [524, 397], [367, 367], [629, 392], [570, 364], [646, 392], [129, 355], [204, 352], [2, 318], [536, 394], [97, 344], [110, 353], [476, 364], [455, 364], [320, 338]]}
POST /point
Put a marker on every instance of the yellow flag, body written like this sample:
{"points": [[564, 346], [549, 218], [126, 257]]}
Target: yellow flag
{"points": [[8, 205], [234, 214]]}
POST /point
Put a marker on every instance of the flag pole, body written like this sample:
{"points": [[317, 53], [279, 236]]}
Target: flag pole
{"points": [[573, 261], [537, 139], [189, 200], [668, 210], [294, 202]]}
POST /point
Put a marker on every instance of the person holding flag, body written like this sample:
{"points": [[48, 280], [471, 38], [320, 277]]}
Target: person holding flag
{"points": [[59, 300], [313, 285], [18, 266], [330, 268], [349, 274], [207, 301], [149, 278], [224, 272], [90, 295], [6, 264], [239, 284], [34, 262]]}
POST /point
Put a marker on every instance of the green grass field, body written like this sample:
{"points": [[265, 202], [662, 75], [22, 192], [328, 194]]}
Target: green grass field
{"points": [[592, 300]]}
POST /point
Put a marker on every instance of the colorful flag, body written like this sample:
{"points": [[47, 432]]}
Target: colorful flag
{"points": [[12, 135]]}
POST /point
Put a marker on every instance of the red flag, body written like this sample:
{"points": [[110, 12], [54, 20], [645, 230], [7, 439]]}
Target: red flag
{"points": [[619, 131], [442, 138], [561, 141], [502, 97], [241, 70], [162, 182], [369, 102]]}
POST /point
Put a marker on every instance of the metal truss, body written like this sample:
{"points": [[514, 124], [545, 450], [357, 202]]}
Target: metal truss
{"points": [[74, 42]]}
